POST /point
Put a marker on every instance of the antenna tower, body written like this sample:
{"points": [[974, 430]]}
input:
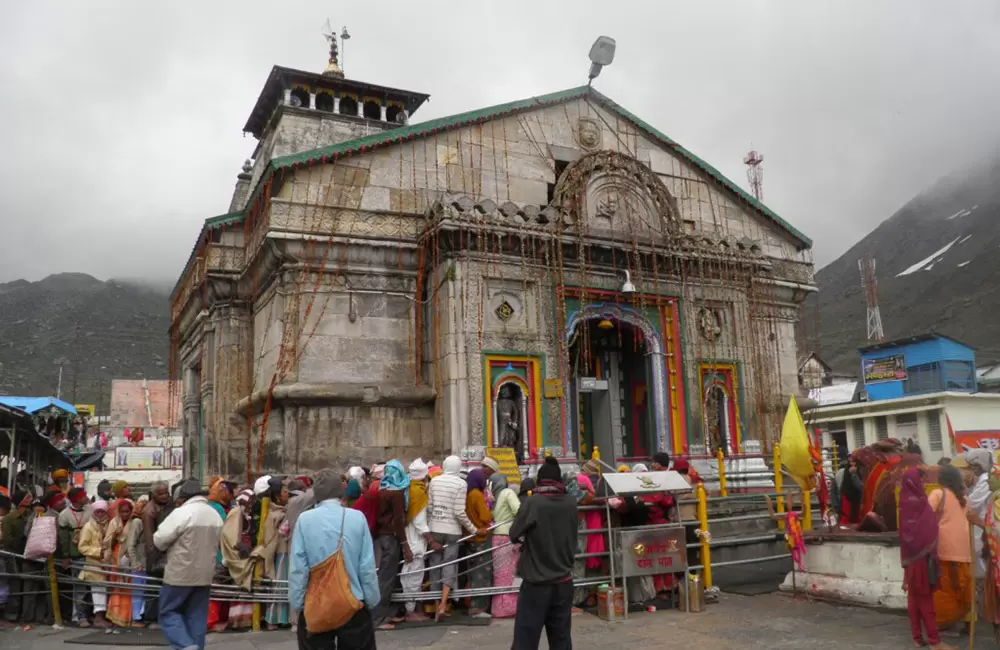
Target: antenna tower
{"points": [[755, 173], [870, 285]]}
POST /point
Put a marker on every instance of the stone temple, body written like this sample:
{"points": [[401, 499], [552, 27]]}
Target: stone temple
{"points": [[552, 274]]}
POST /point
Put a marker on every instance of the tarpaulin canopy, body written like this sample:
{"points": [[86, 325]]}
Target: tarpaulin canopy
{"points": [[33, 405]]}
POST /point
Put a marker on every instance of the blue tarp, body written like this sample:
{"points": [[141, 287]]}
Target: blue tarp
{"points": [[34, 404]]}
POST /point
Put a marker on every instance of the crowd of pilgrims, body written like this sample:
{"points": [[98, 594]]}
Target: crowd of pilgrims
{"points": [[440, 527]]}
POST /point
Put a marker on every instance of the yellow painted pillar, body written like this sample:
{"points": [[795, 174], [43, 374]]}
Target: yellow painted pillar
{"points": [[258, 568], [54, 592], [778, 484], [721, 460], [807, 510], [836, 459], [705, 536]]}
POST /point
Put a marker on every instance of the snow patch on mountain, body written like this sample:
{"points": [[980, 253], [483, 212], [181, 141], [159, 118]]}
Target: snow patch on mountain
{"points": [[930, 260]]}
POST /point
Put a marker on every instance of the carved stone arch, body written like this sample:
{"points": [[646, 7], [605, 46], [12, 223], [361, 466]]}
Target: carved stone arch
{"points": [[610, 183]]}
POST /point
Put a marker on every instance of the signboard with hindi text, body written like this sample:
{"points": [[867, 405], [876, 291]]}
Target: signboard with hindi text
{"points": [[508, 463], [885, 369], [651, 550]]}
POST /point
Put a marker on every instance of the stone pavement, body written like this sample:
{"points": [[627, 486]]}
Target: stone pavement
{"points": [[768, 621]]}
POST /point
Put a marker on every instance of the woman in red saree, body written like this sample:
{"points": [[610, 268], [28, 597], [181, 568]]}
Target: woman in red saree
{"points": [[918, 541]]}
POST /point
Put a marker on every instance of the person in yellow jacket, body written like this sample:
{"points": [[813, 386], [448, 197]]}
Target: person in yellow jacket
{"points": [[92, 548]]}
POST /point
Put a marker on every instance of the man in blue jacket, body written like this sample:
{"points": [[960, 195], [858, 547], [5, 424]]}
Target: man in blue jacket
{"points": [[316, 537]]}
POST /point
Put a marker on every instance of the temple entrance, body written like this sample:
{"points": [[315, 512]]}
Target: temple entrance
{"points": [[717, 420], [610, 372]]}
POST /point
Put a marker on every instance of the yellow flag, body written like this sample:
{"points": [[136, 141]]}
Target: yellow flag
{"points": [[795, 456]]}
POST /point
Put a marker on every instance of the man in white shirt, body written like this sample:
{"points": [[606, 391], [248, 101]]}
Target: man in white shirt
{"points": [[190, 538], [446, 520]]}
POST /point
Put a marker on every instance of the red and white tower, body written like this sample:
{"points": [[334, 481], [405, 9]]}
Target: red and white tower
{"points": [[870, 286], [755, 173]]}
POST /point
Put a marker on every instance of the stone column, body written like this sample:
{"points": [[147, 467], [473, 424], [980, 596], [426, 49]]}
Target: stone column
{"points": [[288, 96], [312, 101], [383, 110], [361, 109], [336, 105]]}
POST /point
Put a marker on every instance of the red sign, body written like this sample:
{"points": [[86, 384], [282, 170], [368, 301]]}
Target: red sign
{"points": [[967, 440]]}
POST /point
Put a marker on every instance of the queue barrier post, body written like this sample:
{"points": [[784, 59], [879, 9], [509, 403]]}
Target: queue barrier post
{"points": [[704, 535], [778, 485], [807, 511], [54, 592]]}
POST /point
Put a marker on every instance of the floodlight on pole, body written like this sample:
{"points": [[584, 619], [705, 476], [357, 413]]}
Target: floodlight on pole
{"points": [[602, 53]]}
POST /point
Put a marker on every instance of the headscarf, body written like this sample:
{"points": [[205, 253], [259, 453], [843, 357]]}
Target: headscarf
{"points": [[418, 470], [244, 497], [77, 496], [490, 463], [53, 499], [681, 465], [123, 502], [328, 485], [498, 482], [260, 486], [918, 526], [624, 469], [854, 494], [357, 474], [982, 458], [434, 470], [476, 480], [452, 466], [418, 498], [378, 470], [639, 467], [353, 489], [99, 505], [305, 481], [60, 475], [396, 478], [591, 467], [118, 487]]}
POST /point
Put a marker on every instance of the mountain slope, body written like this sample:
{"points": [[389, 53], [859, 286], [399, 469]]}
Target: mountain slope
{"points": [[96, 330], [938, 269]]}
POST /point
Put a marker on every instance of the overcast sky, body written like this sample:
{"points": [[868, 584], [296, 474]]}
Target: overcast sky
{"points": [[122, 120]]}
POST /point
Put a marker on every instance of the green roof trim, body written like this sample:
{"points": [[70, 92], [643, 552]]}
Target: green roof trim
{"points": [[222, 220], [804, 241], [422, 129], [394, 136], [210, 224]]}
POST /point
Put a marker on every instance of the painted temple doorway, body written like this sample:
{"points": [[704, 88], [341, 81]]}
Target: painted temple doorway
{"points": [[611, 390], [720, 407]]}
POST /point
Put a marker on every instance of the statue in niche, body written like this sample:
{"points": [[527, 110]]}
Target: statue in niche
{"points": [[508, 410]]}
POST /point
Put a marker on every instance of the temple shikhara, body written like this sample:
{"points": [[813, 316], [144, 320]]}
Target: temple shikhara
{"points": [[550, 275]]}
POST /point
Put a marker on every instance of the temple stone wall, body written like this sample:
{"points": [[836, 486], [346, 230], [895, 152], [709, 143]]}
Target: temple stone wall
{"points": [[354, 393]]}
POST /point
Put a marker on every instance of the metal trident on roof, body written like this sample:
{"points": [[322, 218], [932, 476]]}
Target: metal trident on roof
{"points": [[335, 64]]}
